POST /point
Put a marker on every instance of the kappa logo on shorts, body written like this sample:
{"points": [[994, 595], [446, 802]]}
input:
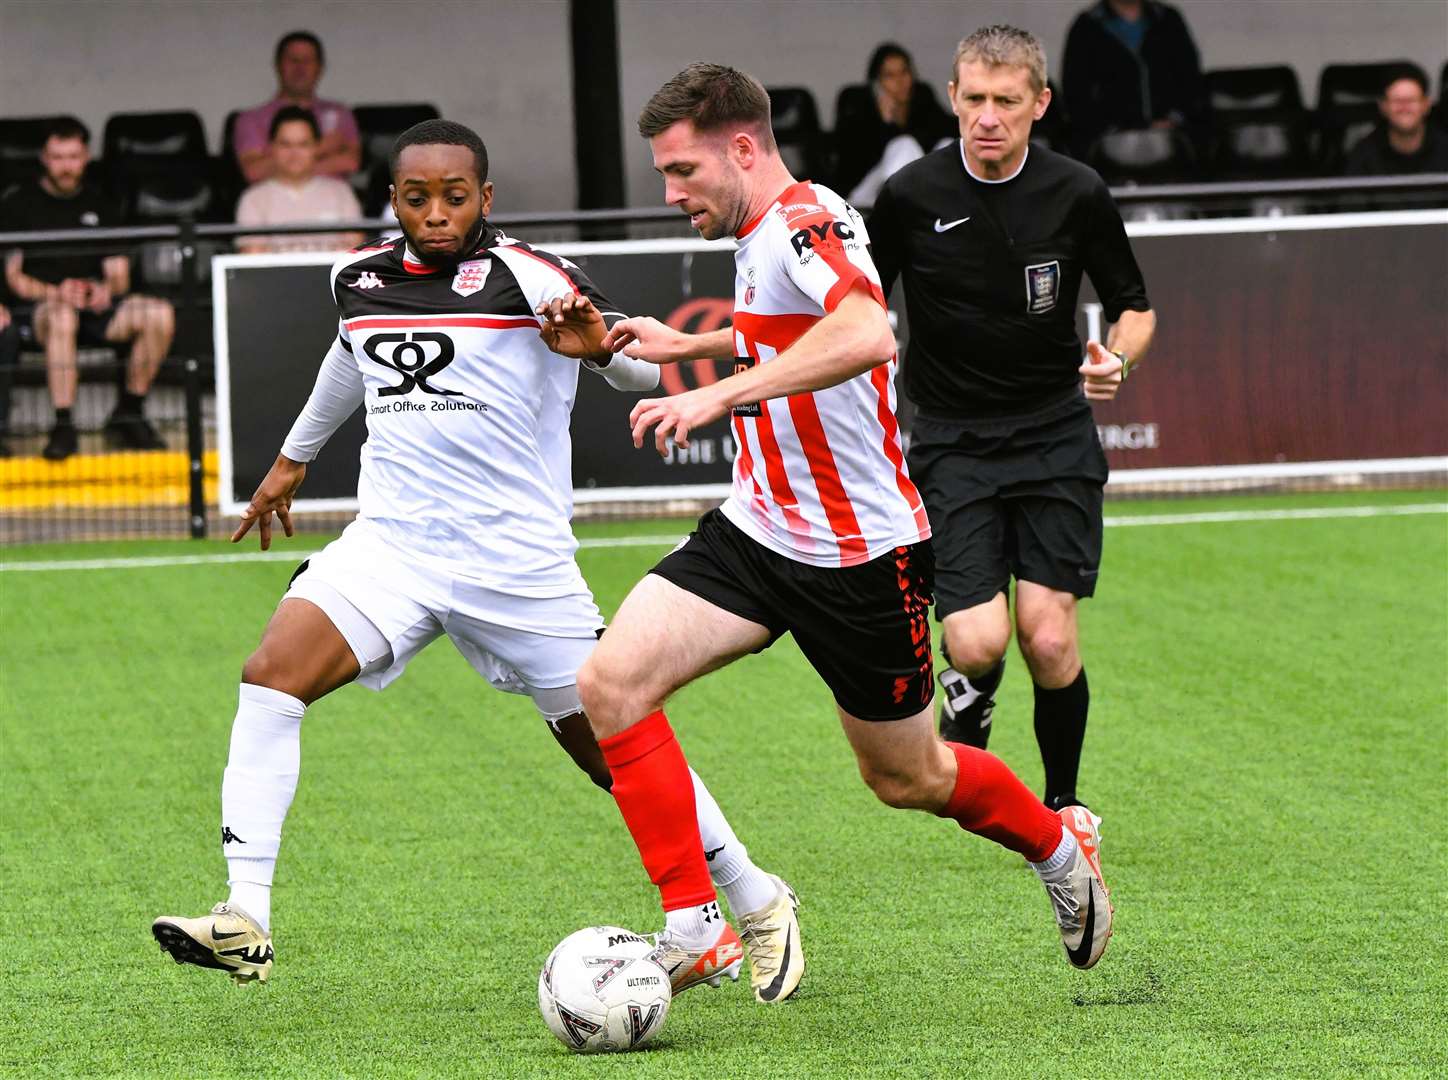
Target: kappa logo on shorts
{"points": [[1043, 287], [471, 276]]}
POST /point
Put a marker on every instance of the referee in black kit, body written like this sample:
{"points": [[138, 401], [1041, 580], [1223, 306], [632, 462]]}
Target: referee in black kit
{"points": [[991, 236]]}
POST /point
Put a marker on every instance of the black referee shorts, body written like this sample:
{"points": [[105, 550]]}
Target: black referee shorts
{"points": [[1022, 502], [865, 629]]}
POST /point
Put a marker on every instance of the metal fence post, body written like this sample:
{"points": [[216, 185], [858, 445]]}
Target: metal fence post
{"points": [[195, 449]]}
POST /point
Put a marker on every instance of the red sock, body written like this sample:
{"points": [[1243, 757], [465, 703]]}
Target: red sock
{"points": [[655, 794], [990, 800]]}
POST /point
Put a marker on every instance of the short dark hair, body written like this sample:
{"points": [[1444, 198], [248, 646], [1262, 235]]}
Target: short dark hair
{"points": [[883, 53], [300, 35], [441, 133], [1405, 71], [67, 127], [288, 114], [712, 97]]}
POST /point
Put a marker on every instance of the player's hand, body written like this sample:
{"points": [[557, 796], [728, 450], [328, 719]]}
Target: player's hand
{"points": [[273, 496], [1101, 372], [645, 338], [674, 417], [572, 327]]}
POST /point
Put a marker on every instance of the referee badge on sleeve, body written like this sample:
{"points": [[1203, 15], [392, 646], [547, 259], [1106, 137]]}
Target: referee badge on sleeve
{"points": [[1043, 286]]}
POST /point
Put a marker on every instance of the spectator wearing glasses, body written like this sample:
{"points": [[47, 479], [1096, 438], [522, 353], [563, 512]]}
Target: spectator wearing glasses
{"points": [[295, 194], [1404, 143], [300, 61], [81, 297]]}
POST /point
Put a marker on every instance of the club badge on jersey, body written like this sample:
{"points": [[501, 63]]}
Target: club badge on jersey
{"points": [[471, 276]]}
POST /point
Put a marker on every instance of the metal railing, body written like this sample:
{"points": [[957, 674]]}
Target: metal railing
{"points": [[193, 242]]}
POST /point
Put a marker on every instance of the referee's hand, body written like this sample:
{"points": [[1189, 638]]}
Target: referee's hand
{"points": [[1101, 372]]}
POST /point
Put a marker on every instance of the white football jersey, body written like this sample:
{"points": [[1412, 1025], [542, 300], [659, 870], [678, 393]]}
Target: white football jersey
{"points": [[468, 458]]}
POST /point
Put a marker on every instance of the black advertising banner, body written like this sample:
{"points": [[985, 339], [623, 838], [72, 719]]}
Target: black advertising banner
{"points": [[1273, 346]]}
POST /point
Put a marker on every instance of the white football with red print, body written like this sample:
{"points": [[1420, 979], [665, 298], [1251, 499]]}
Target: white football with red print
{"points": [[602, 991]]}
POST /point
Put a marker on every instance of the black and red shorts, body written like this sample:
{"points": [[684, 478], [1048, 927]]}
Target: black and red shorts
{"points": [[865, 629]]}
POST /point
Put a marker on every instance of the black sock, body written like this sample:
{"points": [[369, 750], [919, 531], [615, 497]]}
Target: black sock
{"points": [[1060, 731], [129, 403], [62, 418]]}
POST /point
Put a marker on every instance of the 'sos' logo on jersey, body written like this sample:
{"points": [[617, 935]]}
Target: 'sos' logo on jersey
{"points": [[417, 356]]}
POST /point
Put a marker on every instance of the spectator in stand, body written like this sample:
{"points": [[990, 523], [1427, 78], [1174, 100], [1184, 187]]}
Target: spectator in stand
{"points": [[1131, 64], [1404, 143], [78, 294], [299, 63], [886, 124], [295, 194], [9, 356]]}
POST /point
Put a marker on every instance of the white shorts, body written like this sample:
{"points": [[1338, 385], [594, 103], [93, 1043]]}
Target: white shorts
{"points": [[388, 607]]}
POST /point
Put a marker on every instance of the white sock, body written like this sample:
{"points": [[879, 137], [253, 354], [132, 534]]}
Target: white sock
{"points": [[745, 886], [256, 792], [1055, 867], [695, 927]]}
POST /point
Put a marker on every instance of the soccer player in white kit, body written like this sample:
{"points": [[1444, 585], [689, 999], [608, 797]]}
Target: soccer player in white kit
{"points": [[465, 496], [823, 536]]}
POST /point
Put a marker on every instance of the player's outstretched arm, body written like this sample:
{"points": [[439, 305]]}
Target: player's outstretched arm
{"points": [[273, 496], [645, 338], [852, 339]]}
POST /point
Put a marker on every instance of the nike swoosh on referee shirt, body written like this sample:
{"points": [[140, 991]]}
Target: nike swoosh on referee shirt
{"points": [[948, 225]]}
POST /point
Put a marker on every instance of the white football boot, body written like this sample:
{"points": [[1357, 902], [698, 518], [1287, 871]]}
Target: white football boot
{"points": [[1081, 901], [227, 939]]}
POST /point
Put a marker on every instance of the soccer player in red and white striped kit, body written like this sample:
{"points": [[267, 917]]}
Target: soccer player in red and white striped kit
{"points": [[823, 536]]}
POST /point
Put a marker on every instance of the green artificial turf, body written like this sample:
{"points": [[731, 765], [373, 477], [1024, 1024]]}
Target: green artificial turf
{"points": [[1268, 747]]}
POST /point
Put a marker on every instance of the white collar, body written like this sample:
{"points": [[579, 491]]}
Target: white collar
{"points": [[1003, 179]]}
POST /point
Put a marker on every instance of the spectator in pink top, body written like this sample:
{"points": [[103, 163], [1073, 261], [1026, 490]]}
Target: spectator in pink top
{"points": [[299, 63]]}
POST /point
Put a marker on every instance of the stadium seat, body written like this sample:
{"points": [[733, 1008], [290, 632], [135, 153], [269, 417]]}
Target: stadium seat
{"points": [[381, 124], [158, 166], [1347, 107], [1145, 156], [796, 123], [1259, 128]]}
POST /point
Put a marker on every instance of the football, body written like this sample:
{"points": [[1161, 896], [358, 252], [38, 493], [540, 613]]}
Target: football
{"points": [[601, 991]]}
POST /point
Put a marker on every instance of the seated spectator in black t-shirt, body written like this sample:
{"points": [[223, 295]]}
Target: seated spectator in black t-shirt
{"points": [[9, 354], [885, 124], [78, 295], [1404, 143], [1128, 65]]}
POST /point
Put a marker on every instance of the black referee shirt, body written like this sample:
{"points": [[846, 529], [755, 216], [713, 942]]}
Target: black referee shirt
{"points": [[992, 272]]}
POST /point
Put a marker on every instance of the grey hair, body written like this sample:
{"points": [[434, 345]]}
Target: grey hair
{"points": [[1004, 45]]}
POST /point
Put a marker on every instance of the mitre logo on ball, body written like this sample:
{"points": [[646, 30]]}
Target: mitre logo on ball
{"points": [[470, 276]]}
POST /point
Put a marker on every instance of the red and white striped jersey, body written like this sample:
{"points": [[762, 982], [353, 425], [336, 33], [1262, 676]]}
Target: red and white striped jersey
{"points": [[819, 477]]}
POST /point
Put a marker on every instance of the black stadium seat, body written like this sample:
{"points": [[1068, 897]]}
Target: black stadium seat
{"points": [[1347, 106], [1145, 156], [158, 166], [1259, 128], [796, 122]]}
